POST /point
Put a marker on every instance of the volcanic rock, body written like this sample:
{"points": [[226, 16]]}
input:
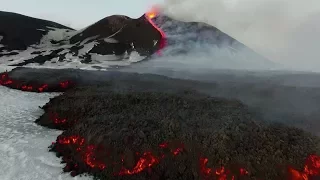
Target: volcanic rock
{"points": [[131, 34], [272, 96], [18, 32], [114, 35], [183, 128]]}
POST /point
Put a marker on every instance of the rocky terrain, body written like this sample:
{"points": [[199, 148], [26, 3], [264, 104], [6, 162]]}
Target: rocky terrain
{"points": [[120, 125], [130, 124], [145, 121], [116, 40]]}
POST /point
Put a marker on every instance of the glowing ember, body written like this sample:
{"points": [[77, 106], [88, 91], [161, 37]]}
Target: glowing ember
{"points": [[149, 16], [311, 169], [152, 13], [219, 173], [61, 122], [5, 80], [65, 84], [147, 160]]}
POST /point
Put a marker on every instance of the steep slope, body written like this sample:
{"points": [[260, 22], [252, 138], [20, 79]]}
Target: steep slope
{"points": [[200, 43], [18, 32], [49, 44], [119, 41]]}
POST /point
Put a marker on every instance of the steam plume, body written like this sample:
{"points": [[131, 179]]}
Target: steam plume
{"points": [[285, 31]]}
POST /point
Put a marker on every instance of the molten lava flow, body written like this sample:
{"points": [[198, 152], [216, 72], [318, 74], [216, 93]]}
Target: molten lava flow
{"points": [[311, 169], [5, 80], [146, 160], [219, 173], [150, 15], [89, 154]]}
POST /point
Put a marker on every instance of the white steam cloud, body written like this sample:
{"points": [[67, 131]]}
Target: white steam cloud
{"points": [[285, 31]]}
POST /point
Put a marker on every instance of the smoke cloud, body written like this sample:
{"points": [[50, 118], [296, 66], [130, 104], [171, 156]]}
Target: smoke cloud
{"points": [[284, 31]]}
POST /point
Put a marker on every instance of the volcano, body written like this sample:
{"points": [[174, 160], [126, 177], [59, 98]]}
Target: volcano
{"points": [[121, 125], [116, 40]]}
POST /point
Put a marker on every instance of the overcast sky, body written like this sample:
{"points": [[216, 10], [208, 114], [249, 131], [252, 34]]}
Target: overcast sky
{"points": [[77, 13], [282, 30]]}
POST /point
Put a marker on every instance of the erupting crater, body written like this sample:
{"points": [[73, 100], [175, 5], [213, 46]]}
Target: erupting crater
{"points": [[150, 15]]}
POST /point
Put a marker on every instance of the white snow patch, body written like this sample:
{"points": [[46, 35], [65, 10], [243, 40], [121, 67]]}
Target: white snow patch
{"points": [[1, 37], [110, 40], [100, 58], [56, 35], [86, 48], [88, 39], [64, 51], [23, 144], [23, 55], [135, 57]]}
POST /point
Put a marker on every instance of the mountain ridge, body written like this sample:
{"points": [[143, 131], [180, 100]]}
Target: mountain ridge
{"points": [[115, 40]]}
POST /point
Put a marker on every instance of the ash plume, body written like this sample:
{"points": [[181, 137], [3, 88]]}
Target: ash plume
{"points": [[283, 31]]}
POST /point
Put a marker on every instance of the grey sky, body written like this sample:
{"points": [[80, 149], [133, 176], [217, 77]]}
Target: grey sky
{"points": [[77, 13]]}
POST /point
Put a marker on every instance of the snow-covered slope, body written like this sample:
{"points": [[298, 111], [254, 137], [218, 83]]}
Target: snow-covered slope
{"points": [[46, 44], [23, 144], [120, 41]]}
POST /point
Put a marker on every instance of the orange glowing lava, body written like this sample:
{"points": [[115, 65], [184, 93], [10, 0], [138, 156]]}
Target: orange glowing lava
{"points": [[59, 122], [5, 80], [311, 169], [147, 160], [219, 173], [150, 15], [88, 152]]}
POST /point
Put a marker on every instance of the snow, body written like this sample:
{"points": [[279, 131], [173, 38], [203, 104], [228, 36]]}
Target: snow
{"points": [[23, 144], [1, 37], [23, 55], [135, 57], [100, 58], [86, 48], [70, 61], [56, 35], [110, 40]]}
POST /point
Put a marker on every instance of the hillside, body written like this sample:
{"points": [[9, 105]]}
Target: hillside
{"points": [[18, 32], [115, 40]]}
